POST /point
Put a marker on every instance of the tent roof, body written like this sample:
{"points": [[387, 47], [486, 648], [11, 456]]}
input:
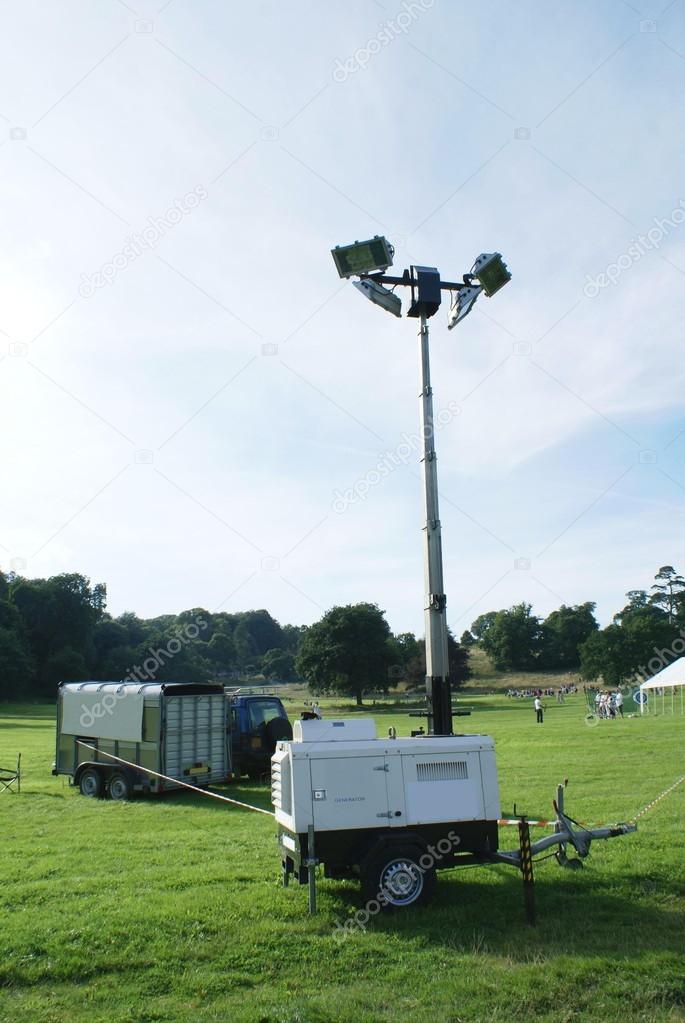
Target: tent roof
{"points": [[672, 675]]}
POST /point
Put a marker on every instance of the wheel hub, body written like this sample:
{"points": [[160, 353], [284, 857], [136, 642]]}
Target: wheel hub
{"points": [[402, 882]]}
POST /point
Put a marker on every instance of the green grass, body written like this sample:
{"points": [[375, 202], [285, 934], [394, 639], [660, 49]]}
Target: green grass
{"points": [[172, 910]]}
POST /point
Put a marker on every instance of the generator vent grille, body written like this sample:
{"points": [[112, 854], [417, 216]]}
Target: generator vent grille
{"points": [[281, 785], [442, 770]]}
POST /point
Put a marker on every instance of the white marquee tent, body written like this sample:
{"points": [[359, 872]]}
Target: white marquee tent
{"points": [[667, 681]]}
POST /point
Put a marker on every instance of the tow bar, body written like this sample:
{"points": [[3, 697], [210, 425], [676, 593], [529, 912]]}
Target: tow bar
{"points": [[566, 832]]}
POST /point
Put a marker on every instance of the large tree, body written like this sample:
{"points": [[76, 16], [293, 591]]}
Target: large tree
{"points": [[348, 652], [637, 643], [563, 632], [278, 665], [59, 615], [482, 624], [668, 591], [407, 648], [16, 667], [458, 657], [221, 651], [512, 640], [292, 637]]}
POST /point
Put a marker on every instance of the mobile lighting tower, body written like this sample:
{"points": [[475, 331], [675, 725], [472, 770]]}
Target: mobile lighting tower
{"points": [[393, 811], [368, 261]]}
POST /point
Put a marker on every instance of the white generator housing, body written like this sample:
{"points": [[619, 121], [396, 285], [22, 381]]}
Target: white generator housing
{"points": [[338, 776]]}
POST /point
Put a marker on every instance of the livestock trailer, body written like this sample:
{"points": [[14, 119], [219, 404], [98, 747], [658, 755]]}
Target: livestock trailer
{"points": [[175, 729]]}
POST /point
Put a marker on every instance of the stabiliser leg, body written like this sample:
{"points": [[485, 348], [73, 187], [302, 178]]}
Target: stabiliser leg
{"points": [[526, 866], [311, 870]]}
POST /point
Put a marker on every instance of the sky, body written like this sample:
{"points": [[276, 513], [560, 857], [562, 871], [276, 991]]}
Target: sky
{"points": [[193, 406]]}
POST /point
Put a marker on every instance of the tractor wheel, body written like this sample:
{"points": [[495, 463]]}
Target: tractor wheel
{"points": [[90, 783], [396, 879]]}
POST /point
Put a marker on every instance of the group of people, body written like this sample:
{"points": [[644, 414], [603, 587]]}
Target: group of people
{"points": [[609, 704], [559, 693]]}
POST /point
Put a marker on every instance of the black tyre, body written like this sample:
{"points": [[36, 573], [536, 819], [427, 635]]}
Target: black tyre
{"points": [[120, 786], [90, 783], [398, 877], [278, 730]]}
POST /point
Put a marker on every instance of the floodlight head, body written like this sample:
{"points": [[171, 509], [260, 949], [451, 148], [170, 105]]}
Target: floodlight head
{"points": [[363, 257], [462, 304], [491, 272], [381, 296]]}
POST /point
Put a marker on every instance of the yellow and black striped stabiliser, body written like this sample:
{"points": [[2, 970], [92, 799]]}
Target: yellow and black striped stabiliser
{"points": [[527, 871]]}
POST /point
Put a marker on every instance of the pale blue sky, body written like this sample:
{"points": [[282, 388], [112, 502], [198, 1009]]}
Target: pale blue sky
{"points": [[181, 431]]}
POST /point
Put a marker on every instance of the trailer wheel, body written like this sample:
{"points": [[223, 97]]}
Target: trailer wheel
{"points": [[396, 878], [120, 786], [90, 783]]}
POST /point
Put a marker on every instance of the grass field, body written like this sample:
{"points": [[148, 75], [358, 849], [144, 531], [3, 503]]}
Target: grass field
{"points": [[172, 910]]}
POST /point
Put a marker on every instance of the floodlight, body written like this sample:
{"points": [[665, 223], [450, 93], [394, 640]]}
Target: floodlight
{"points": [[462, 303], [381, 296], [491, 272], [363, 257]]}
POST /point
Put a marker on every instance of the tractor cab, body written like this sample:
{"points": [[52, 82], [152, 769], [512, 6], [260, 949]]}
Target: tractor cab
{"points": [[257, 722]]}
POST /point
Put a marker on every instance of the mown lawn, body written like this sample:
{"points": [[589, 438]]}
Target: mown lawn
{"points": [[172, 910]]}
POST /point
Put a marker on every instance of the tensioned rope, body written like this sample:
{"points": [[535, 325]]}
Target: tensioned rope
{"points": [[258, 809], [633, 820], [662, 795], [183, 784]]}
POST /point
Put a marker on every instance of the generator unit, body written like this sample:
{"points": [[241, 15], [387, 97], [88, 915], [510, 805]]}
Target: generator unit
{"points": [[375, 806], [392, 812]]}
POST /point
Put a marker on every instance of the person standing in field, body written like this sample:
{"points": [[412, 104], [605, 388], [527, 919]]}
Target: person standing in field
{"points": [[618, 702], [538, 710]]}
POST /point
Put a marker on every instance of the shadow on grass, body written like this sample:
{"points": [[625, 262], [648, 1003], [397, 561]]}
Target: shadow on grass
{"points": [[38, 793], [14, 726], [574, 917], [253, 793]]}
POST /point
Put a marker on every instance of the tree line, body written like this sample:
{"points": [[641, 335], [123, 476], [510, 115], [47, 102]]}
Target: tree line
{"points": [[59, 629], [643, 637]]}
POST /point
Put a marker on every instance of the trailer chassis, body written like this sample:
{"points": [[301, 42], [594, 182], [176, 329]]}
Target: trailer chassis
{"points": [[567, 832]]}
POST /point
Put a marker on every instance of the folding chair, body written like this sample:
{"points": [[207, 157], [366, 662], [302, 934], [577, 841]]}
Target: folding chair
{"points": [[11, 776]]}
